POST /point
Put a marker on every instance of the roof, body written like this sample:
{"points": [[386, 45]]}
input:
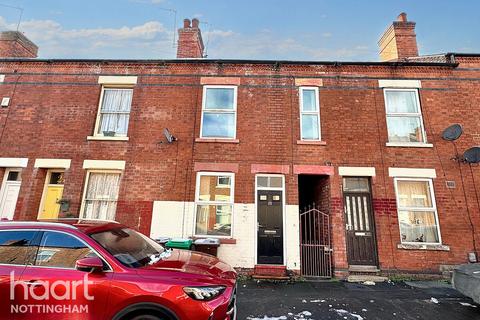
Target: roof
{"points": [[418, 62], [436, 58]]}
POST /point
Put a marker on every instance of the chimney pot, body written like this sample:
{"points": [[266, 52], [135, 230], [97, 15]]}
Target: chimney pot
{"points": [[195, 23], [402, 17], [190, 43]]}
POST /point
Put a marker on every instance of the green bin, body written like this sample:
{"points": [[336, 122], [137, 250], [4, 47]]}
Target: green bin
{"points": [[179, 244]]}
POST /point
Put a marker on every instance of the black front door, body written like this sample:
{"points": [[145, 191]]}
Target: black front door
{"points": [[360, 224], [270, 227]]}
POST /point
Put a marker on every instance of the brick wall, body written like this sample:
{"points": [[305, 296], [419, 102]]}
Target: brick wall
{"points": [[54, 105]]}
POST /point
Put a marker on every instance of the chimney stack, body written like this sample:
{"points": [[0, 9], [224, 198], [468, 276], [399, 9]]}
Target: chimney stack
{"points": [[399, 40], [13, 44], [190, 43]]}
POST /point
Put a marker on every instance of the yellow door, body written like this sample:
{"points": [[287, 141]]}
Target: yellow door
{"points": [[51, 207]]}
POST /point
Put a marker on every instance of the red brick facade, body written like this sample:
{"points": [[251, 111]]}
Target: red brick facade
{"points": [[54, 105]]}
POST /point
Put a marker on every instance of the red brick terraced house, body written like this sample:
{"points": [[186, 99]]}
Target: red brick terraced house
{"points": [[319, 167]]}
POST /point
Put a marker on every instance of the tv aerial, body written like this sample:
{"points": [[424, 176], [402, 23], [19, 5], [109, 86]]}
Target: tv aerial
{"points": [[170, 137]]}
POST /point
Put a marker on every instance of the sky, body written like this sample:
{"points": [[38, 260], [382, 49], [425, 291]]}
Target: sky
{"points": [[339, 30]]}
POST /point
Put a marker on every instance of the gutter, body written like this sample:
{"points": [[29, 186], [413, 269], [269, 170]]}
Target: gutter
{"points": [[241, 61]]}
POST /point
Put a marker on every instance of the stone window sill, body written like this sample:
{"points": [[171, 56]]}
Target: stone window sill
{"points": [[409, 145], [222, 240], [423, 246], [228, 241], [206, 140], [312, 142], [103, 138]]}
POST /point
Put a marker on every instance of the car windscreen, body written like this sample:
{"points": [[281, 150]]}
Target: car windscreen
{"points": [[129, 247]]}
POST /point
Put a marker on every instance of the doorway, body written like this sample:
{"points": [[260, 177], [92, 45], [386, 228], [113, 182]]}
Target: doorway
{"points": [[9, 191], [360, 223], [270, 231], [315, 238], [52, 194]]}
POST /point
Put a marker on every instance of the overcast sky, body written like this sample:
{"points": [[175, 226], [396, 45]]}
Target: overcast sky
{"points": [[247, 29]]}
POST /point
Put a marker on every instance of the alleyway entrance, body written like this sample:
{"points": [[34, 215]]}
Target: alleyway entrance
{"points": [[315, 239]]}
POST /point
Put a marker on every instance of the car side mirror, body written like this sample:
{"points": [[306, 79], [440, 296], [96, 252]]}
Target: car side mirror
{"points": [[91, 264]]}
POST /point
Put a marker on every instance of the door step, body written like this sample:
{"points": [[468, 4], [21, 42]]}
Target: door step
{"points": [[273, 272], [363, 269], [366, 278]]}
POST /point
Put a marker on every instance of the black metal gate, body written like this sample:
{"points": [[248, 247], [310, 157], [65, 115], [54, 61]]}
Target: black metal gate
{"points": [[315, 244]]}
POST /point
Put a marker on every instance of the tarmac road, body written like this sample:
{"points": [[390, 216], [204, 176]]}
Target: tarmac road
{"points": [[349, 301]]}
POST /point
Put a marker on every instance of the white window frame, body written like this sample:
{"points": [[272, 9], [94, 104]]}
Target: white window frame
{"points": [[405, 114], [431, 209], [87, 179], [234, 110], [99, 135], [317, 113], [213, 202], [221, 185]]}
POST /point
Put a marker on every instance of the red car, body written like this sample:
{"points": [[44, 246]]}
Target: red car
{"points": [[105, 270]]}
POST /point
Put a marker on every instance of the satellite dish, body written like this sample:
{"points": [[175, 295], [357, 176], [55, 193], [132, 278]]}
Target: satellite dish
{"points": [[452, 133], [170, 138], [472, 155]]}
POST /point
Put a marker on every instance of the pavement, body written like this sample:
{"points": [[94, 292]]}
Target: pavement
{"points": [[352, 301]]}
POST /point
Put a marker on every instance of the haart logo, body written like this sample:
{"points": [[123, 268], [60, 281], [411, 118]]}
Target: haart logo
{"points": [[46, 293]]}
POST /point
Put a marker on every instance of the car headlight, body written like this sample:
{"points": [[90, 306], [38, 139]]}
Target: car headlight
{"points": [[204, 293]]}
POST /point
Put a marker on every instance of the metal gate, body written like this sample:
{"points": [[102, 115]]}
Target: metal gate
{"points": [[315, 249]]}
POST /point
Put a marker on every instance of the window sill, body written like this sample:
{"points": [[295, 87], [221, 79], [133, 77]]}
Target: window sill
{"points": [[409, 145], [312, 142], [103, 138], [420, 246], [217, 140], [222, 240]]}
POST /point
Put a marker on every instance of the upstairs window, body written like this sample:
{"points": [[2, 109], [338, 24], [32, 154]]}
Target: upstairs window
{"points": [[219, 112], [309, 113], [114, 112], [417, 213], [404, 117]]}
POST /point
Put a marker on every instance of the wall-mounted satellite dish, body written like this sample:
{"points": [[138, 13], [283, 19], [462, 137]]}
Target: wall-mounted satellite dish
{"points": [[472, 155], [452, 133], [170, 138]]}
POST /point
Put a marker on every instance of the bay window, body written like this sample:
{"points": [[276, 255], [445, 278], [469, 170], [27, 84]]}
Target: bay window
{"points": [[417, 213], [214, 204], [219, 112]]}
